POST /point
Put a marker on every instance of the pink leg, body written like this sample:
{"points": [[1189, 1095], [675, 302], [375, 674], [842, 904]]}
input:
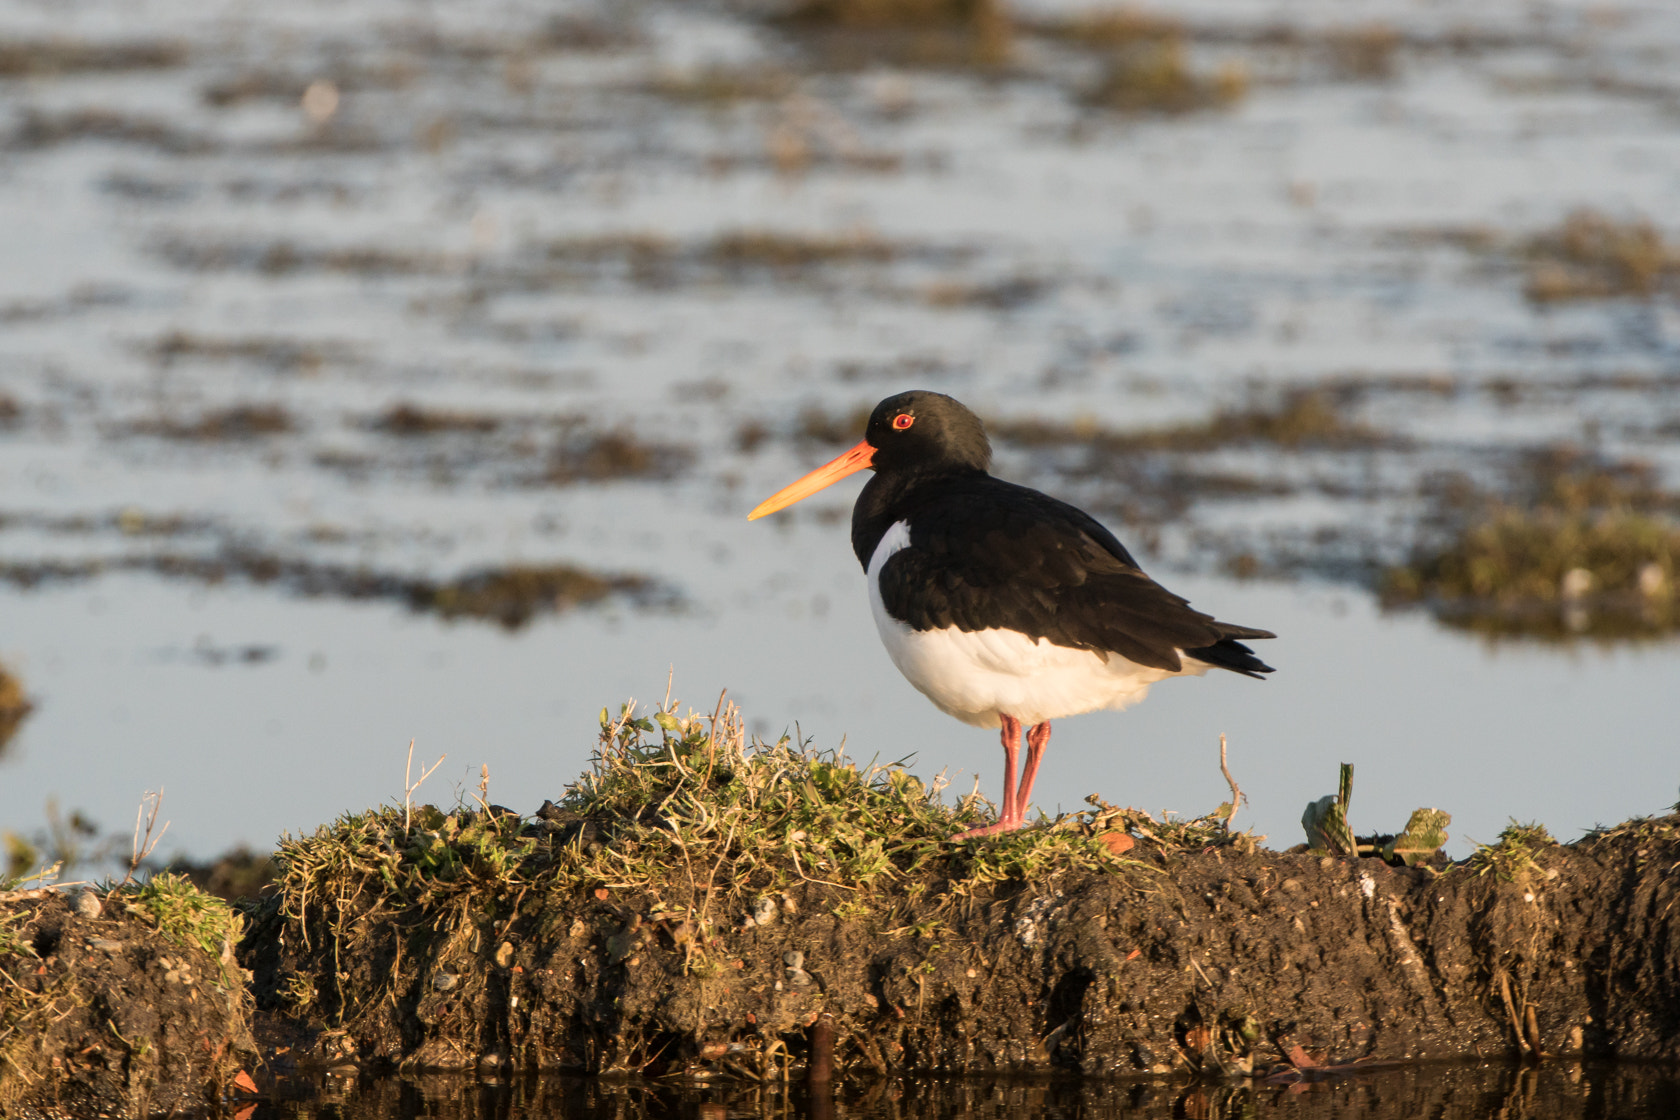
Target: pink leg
{"points": [[1037, 739], [1009, 814]]}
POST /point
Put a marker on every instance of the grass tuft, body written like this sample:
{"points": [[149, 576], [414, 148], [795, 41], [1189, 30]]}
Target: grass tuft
{"points": [[682, 812], [1511, 859], [191, 918]]}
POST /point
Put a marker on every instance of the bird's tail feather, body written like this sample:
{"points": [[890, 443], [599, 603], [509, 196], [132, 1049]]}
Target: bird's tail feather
{"points": [[1228, 653]]}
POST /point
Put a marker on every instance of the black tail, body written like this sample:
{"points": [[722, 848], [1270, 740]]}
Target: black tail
{"points": [[1228, 653]]}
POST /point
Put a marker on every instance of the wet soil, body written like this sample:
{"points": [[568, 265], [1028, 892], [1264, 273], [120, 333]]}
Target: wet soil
{"points": [[102, 1013], [1218, 966], [1214, 963], [510, 596]]}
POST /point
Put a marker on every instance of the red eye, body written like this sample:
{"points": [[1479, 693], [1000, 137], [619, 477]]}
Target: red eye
{"points": [[902, 421]]}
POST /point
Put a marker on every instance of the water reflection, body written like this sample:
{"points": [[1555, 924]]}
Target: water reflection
{"points": [[1555, 1092]]}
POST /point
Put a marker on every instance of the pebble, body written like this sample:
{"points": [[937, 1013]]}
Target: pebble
{"points": [[793, 958], [105, 944], [764, 911], [87, 905]]}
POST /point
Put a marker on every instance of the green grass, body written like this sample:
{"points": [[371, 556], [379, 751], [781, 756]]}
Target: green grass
{"points": [[1511, 858], [683, 809], [187, 916]]}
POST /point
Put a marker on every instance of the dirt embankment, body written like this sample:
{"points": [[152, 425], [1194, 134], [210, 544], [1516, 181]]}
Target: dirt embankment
{"points": [[120, 1003], [1211, 962], [693, 908]]}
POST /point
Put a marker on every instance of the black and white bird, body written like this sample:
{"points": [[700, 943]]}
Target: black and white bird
{"points": [[1002, 605]]}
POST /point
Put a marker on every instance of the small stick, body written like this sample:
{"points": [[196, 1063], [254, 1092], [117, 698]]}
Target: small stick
{"points": [[1236, 792], [410, 787], [143, 844]]}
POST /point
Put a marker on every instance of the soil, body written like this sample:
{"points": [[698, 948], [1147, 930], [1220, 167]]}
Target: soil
{"points": [[1210, 963], [1216, 964], [103, 1014]]}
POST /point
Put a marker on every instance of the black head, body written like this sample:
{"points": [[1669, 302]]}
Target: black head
{"points": [[923, 431]]}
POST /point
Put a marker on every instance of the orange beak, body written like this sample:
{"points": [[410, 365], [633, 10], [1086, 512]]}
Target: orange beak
{"points": [[826, 475]]}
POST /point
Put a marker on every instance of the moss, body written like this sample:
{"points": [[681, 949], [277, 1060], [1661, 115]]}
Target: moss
{"points": [[187, 916]]}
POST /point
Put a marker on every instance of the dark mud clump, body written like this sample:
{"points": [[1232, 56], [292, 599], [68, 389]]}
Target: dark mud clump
{"points": [[694, 908], [510, 596], [408, 419], [587, 455], [22, 58], [1155, 76], [15, 706], [281, 355], [126, 1002], [234, 423], [955, 34], [39, 129]]}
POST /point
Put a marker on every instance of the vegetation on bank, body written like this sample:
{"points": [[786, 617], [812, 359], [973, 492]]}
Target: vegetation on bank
{"points": [[1573, 545], [15, 706], [682, 807]]}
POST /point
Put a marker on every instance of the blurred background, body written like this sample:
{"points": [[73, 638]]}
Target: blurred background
{"points": [[401, 370]]}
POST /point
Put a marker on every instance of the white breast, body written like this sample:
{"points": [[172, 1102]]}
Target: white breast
{"points": [[975, 675]]}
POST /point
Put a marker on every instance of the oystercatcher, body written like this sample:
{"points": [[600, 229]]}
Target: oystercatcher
{"points": [[1002, 605]]}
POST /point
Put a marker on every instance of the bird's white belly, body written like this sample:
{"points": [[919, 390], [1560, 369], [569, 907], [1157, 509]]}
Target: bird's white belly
{"points": [[976, 675]]}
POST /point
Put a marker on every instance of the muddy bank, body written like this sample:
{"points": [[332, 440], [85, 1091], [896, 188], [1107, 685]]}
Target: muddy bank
{"points": [[119, 1003], [701, 911], [697, 910]]}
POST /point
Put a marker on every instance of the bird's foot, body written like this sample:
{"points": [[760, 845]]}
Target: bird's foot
{"points": [[990, 830]]}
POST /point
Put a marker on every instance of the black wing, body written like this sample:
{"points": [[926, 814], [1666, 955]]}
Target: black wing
{"points": [[986, 553]]}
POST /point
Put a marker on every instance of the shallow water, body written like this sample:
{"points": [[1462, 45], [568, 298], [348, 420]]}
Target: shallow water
{"points": [[186, 238]]}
